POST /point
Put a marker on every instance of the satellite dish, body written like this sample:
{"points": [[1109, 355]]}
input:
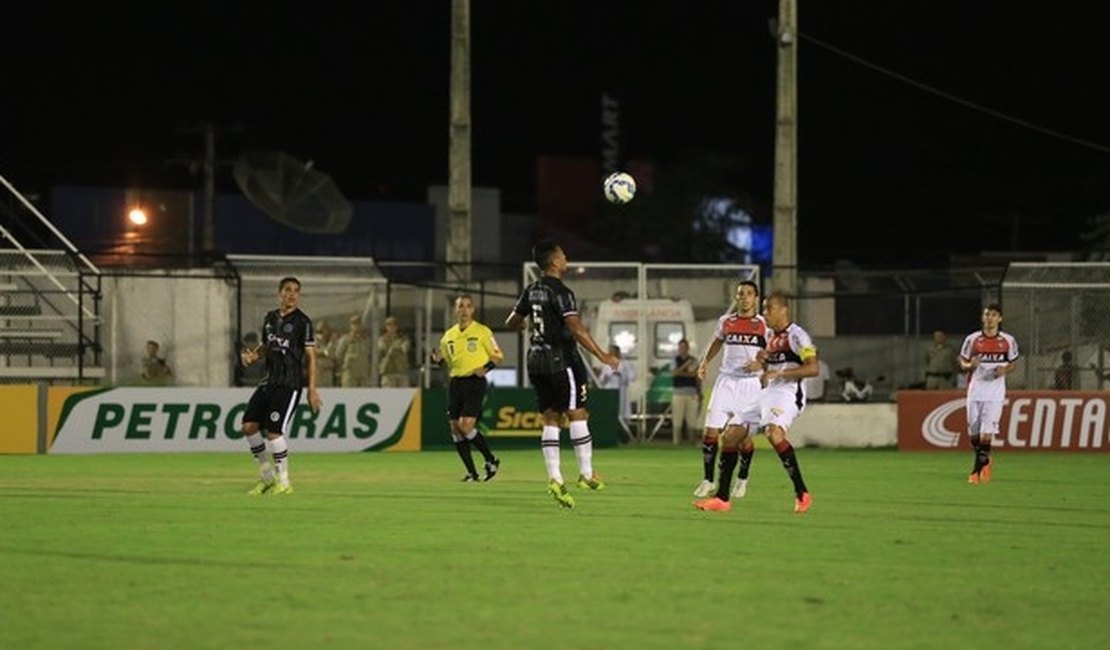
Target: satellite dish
{"points": [[292, 192]]}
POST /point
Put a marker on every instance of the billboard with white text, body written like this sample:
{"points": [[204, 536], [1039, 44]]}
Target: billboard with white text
{"points": [[1031, 421]]}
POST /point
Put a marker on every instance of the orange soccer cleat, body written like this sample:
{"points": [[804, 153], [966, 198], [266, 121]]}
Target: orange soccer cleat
{"points": [[802, 503], [985, 473], [973, 478], [713, 503]]}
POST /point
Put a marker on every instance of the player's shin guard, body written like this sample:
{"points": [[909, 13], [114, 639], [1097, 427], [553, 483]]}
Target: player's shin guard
{"points": [[549, 443], [982, 454], [261, 456], [708, 456], [790, 464], [462, 447], [479, 441], [746, 453], [280, 449], [583, 445], [728, 464]]}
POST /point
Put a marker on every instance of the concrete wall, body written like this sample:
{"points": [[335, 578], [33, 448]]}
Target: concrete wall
{"points": [[190, 315], [846, 425]]}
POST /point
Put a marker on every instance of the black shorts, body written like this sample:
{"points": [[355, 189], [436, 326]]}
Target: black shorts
{"points": [[563, 391], [465, 396], [272, 407]]}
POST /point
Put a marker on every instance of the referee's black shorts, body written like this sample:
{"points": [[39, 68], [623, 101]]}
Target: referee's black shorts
{"points": [[562, 391], [465, 396], [272, 407]]}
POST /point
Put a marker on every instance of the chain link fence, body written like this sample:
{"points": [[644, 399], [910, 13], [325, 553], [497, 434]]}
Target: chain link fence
{"points": [[1060, 315]]}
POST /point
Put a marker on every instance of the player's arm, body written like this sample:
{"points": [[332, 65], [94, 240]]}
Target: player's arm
{"points": [[250, 356], [313, 397], [439, 355], [492, 349], [515, 321], [582, 336], [969, 364], [1002, 371], [710, 354], [809, 368]]}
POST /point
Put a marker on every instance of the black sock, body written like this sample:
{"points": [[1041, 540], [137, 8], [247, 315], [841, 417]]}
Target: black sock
{"points": [[976, 466], [480, 442], [463, 447], [728, 463], [746, 463], [709, 457], [982, 455], [790, 464]]}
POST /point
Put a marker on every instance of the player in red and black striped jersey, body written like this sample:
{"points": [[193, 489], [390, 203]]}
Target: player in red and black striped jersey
{"points": [[288, 342], [733, 410], [987, 356]]}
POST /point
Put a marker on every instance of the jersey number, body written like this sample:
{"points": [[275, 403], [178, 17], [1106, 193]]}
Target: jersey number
{"points": [[537, 320]]}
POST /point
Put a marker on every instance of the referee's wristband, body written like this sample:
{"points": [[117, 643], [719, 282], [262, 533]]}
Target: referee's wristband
{"points": [[490, 366]]}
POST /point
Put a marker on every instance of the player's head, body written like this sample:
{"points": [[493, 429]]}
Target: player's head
{"points": [[746, 298], [464, 308], [776, 309], [289, 293], [683, 347], [992, 316], [548, 255]]}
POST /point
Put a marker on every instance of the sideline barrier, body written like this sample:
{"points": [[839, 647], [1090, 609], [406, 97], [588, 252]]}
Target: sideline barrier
{"points": [[510, 420], [81, 420], [1031, 421]]}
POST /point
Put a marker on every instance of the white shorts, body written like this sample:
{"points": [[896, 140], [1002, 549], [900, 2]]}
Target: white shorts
{"points": [[779, 407], [735, 400], [983, 417]]}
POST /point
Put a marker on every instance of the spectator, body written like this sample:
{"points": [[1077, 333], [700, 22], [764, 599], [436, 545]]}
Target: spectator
{"points": [[352, 354], [326, 363], [621, 379], [854, 389], [1064, 376], [686, 398], [393, 356], [155, 370], [253, 374], [941, 363]]}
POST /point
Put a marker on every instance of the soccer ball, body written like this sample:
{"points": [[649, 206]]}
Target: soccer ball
{"points": [[619, 187]]}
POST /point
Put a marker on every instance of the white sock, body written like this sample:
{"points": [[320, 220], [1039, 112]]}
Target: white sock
{"points": [[281, 458], [549, 442], [583, 447], [262, 456]]}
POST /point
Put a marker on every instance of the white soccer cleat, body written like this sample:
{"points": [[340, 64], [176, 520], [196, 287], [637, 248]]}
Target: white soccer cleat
{"points": [[704, 489], [740, 488]]}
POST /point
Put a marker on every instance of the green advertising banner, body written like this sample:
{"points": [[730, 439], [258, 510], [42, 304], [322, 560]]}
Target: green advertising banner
{"points": [[511, 421], [143, 420]]}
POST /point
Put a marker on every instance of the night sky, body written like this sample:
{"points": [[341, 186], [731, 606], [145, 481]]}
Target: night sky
{"points": [[908, 111]]}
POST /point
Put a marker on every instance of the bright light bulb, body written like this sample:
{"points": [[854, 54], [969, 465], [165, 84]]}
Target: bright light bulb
{"points": [[137, 216]]}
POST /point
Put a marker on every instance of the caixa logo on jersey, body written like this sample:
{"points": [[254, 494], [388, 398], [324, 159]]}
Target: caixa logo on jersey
{"points": [[1031, 420]]}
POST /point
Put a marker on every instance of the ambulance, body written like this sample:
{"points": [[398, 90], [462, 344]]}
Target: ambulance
{"points": [[666, 322]]}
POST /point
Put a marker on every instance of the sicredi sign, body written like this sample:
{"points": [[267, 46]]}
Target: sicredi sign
{"points": [[1031, 420], [207, 419]]}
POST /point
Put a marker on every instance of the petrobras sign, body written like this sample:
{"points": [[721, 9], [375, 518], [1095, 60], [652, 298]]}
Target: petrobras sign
{"points": [[144, 420], [1031, 420]]}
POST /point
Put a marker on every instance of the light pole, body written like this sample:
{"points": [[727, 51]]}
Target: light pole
{"points": [[785, 253]]}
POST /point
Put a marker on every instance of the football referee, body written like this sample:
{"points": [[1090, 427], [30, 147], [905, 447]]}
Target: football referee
{"points": [[469, 351]]}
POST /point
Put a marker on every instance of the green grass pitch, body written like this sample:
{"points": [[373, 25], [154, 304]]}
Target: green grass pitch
{"points": [[389, 550]]}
